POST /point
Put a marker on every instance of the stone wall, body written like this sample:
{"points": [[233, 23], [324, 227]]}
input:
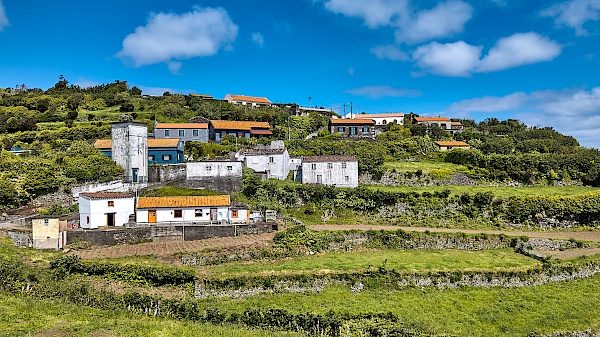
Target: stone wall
{"points": [[222, 184], [176, 232], [164, 173]]}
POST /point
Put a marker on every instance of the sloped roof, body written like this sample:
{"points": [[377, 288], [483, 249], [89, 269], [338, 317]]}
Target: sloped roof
{"points": [[347, 121], [249, 99], [432, 119], [315, 159], [260, 132], [107, 195], [183, 201], [239, 125], [391, 114], [152, 143], [181, 126], [455, 123], [446, 144], [259, 152]]}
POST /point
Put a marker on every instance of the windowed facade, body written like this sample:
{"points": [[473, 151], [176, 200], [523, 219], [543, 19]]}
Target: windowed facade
{"points": [[181, 133], [365, 129], [195, 133], [343, 165], [178, 213], [330, 165], [341, 129], [353, 130], [313, 166], [167, 133]]}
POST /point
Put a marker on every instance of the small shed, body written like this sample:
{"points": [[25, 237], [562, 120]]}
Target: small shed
{"points": [[49, 232]]}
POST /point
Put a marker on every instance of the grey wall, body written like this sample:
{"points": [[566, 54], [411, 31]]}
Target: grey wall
{"points": [[164, 173], [188, 134]]}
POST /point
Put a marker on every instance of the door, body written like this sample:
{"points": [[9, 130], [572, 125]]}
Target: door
{"points": [[214, 216], [135, 175], [110, 219], [319, 179], [152, 215]]}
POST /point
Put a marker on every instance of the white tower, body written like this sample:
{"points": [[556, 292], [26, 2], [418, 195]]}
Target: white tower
{"points": [[130, 150]]}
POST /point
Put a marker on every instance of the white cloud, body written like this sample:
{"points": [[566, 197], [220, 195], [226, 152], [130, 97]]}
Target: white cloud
{"points": [[462, 59], [174, 67], [389, 52], [351, 71], [412, 25], [519, 49], [446, 19], [574, 13], [168, 36], [491, 103], [574, 112], [449, 59], [259, 39], [3, 18], [380, 91]]}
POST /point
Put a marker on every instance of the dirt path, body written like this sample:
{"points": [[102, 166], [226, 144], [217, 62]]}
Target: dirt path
{"points": [[586, 236], [168, 248]]}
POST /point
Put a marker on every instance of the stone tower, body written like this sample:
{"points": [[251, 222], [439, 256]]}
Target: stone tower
{"points": [[130, 150]]}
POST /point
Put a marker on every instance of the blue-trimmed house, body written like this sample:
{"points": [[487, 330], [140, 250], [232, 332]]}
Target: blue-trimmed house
{"points": [[160, 151]]}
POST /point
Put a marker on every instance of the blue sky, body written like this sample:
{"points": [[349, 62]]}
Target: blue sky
{"points": [[538, 61]]}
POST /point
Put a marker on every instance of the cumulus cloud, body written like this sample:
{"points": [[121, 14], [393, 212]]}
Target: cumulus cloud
{"points": [[389, 52], [575, 112], [259, 39], [519, 49], [168, 36], [462, 59], [574, 13], [3, 18], [449, 59], [413, 25], [380, 91], [446, 19]]}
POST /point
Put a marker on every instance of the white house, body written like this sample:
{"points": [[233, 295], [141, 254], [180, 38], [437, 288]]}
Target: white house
{"points": [[199, 170], [274, 162], [98, 209], [381, 120], [247, 100], [338, 171], [442, 122], [194, 209]]}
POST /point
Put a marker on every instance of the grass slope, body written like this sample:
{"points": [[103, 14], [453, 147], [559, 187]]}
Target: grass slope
{"points": [[501, 191]]}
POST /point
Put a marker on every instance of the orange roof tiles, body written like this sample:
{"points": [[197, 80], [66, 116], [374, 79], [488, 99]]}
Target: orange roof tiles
{"points": [[347, 121], [152, 142], [446, 144], [181, 126], [367, 116], [455, 123], [184, 201], [250, 99], [432, 119], [239, 125]]}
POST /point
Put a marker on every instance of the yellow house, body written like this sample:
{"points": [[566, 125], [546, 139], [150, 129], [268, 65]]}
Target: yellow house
{"points": [[49, 232]]}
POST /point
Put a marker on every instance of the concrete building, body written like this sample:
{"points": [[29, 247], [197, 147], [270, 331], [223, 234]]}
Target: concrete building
{"points": [[247, 100], [456, 127], [381, 120], [338, 171], [241, 129], [49, 232], [272, 159], [445, 146], [353, 128], [442, 122], [184, 131], [129, 149], [198, 209], [99, 209], [160, 151]]}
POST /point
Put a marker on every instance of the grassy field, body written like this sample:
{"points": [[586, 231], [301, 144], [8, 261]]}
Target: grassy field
{"points": [[417, 260], [501, 191], [565, 306], [426, 167], [28, 317]]}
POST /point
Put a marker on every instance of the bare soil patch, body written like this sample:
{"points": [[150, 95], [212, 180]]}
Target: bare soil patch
{"points": [[165, 250], [569, 253]]}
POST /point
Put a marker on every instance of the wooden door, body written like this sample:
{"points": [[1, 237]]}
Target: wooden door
{"points": [[152, 216]]}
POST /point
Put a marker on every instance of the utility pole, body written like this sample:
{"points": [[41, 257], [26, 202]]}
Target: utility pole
{"points": [[350, 110], [344, 116], [309, 102]]}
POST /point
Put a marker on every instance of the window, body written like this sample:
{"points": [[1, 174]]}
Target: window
{"points": [[166, 157], [167, 133], [151, 157], [313, 166], [178, 213], [330, 165], [365, 129], [353, 130], [195, 133], [198, 213], [384, 122], [46, 222], [87, 220], [181, 133], [347, 179], [111, 203], [229, 168], [343, 165], [234, 213], [395, 121], [209, 168], [341, 129], [271, 159]]}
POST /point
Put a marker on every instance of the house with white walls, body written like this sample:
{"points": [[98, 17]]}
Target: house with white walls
{"points": [[99, 209], [192, 209], [338, 171]]}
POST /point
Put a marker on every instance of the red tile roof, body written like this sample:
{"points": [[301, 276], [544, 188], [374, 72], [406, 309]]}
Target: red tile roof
{"points": [[453, 144], [184, 201], [152, 143], [261, 132], [432, 119], [239, 125], [250, 99], [367, 116], [181, 126], [347, 121], [106, 195]]}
